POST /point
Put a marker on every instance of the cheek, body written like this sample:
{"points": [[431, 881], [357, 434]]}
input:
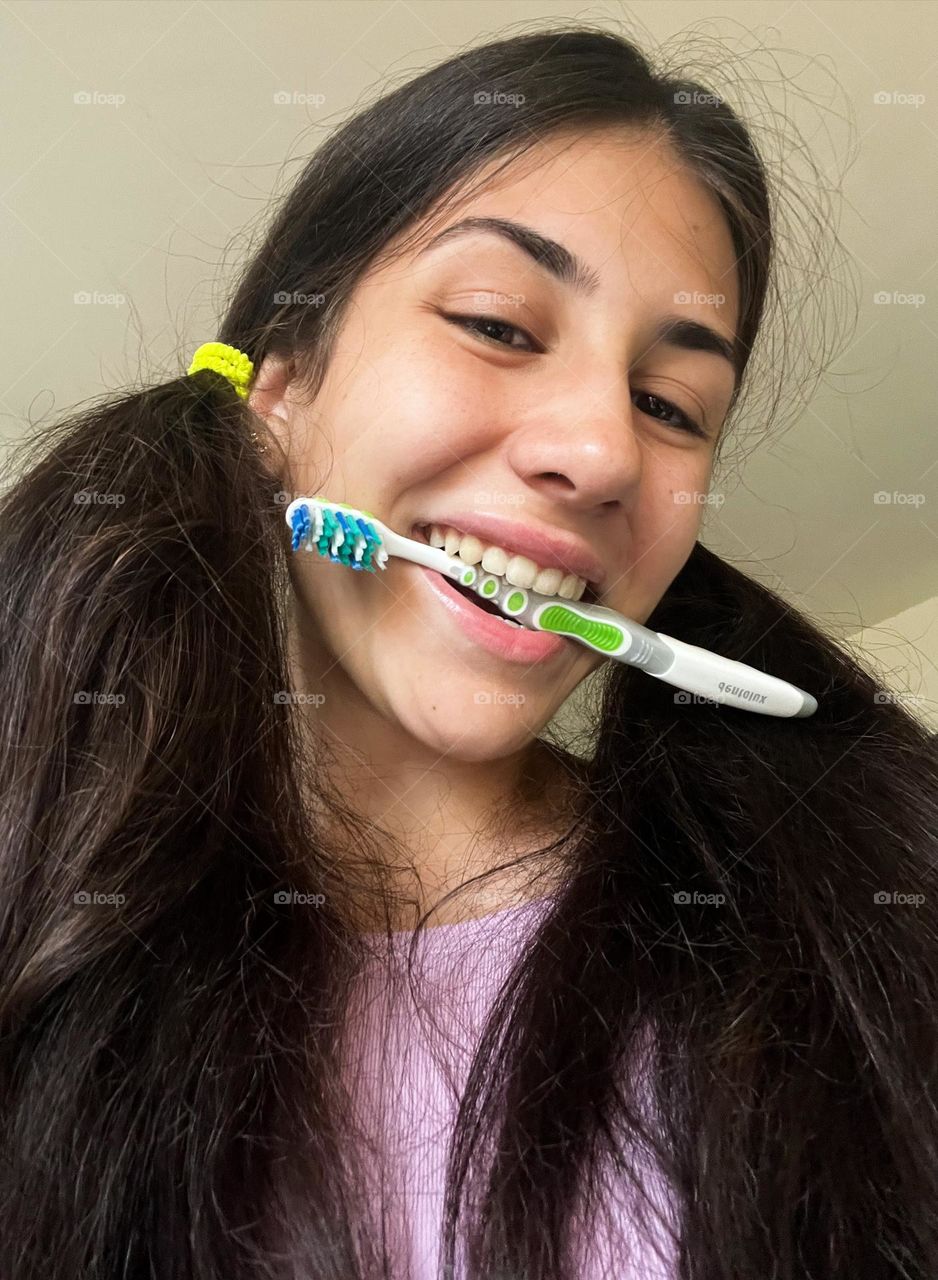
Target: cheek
{"points": [[664, 526], [408, 412]]}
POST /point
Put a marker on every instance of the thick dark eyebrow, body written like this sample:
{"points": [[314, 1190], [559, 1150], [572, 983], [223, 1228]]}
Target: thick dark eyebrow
{"points": [[549, 254], [565, 266]]}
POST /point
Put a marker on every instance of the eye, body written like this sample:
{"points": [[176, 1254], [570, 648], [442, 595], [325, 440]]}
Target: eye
{"points": [[476, 324], [682, 421]]}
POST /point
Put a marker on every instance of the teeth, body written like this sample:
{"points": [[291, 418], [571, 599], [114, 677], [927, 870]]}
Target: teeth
{"points": [[470, 549], [495, 560], [548, 580], [518, 570]]}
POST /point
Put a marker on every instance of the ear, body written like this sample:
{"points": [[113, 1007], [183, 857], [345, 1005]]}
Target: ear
{"points": [[268, 396]]}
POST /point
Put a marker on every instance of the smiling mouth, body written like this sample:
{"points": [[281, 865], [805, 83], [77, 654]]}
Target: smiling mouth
{"points": [[419, 534]]}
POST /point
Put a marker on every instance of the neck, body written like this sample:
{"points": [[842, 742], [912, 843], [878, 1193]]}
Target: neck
{"points": [[412, 826]]}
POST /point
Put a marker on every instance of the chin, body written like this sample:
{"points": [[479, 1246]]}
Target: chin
{"points": [[488, 732]]}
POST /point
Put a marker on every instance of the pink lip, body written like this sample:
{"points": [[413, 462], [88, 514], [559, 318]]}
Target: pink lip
{"points": [[511, 643], [548, 548]]}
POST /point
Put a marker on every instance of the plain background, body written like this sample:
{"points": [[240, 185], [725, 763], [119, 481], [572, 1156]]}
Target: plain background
{"points": [[143, 142]]}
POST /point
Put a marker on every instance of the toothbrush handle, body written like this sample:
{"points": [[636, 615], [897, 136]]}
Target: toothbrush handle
{"points": [[686, 666], [725, 680]]}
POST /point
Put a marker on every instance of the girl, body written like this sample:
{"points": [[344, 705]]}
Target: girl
{"points": [[321, 959]]}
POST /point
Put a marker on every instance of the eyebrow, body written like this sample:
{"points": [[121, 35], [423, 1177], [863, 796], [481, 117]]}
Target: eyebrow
{"points": [[555, 258]]}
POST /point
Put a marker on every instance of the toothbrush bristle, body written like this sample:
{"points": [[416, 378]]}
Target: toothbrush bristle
{"points": [[342, 536]]}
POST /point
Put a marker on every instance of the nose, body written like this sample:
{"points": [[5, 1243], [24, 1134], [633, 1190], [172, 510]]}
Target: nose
{"points": [[580, 446]]}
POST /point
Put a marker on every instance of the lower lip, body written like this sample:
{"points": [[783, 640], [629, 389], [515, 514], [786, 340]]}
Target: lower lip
{"points": [[516, 644]]}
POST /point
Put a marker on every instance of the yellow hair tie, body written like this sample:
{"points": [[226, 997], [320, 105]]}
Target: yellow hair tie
{"points": [[228, 361]]}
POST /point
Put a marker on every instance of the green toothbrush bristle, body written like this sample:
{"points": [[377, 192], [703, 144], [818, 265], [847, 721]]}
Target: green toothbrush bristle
{"points": [[347, 539]]}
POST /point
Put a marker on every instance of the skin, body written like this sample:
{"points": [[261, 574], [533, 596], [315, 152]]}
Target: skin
{"points": [[418, 416]]}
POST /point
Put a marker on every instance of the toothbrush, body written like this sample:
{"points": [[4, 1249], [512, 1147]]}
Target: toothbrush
{"points": [[354, 537]]}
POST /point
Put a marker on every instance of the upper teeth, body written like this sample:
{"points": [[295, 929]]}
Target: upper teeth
{"points": [[518, 570]]}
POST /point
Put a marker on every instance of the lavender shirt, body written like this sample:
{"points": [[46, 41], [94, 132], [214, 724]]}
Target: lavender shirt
{"points": [[406, 1062]]}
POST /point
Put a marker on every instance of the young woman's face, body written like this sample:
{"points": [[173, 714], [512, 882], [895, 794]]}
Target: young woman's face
{"points": [[564, 434]]}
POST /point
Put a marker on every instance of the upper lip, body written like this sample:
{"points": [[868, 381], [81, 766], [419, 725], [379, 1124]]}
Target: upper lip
{"points": [[548, 548]]}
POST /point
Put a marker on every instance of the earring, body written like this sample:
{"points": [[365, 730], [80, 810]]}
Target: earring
{"points": [[261, 448]]}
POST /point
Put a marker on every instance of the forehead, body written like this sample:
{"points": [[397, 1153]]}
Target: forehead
{"points": [[622, 200]]}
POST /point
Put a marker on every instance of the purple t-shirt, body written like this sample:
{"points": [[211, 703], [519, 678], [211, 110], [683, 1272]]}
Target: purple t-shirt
{"points": [[406, 1058]]}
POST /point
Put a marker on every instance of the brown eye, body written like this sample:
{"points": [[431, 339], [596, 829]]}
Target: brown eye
{"points": [[682, 421], [476, 325]]}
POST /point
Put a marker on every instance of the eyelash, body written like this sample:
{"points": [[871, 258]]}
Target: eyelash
{"points": [[469, 323]]}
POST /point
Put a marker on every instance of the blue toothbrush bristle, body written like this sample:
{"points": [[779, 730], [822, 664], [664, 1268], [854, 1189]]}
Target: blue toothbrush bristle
{"points": [[300, 520], [337, 535]]}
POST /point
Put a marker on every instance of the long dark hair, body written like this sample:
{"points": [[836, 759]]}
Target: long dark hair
{"points": [[169, 1096]]}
